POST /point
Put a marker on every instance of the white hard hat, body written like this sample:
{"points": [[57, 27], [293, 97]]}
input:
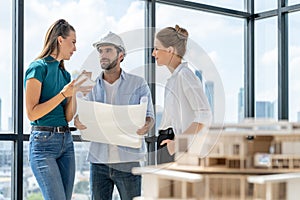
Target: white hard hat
{"points": [[111, 39]]}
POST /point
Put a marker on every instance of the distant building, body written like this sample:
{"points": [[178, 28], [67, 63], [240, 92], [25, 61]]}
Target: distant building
{"points": [[275, 108], [199, 74], [81, 151], [209, 91], [5, 157], [157, 120], [241, 106], [264, 109], [10, 123], [298, 116]]}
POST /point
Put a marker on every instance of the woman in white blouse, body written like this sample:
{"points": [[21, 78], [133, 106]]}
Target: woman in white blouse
{"points": [[186, 108]]}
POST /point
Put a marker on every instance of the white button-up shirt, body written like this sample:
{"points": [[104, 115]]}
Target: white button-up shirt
{"points": [[185, 101]]}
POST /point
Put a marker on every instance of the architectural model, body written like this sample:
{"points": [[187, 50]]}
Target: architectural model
{"points": [[255, 159]]}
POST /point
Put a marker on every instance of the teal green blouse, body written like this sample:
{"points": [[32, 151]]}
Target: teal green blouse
{"points": [[53, 79]]}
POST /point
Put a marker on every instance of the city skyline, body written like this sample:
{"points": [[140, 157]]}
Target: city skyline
{"points": [[208, 90], [228, 62]]}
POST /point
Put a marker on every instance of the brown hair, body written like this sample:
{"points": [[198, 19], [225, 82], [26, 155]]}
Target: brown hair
{"points": [[175, 37], [59, 28]]}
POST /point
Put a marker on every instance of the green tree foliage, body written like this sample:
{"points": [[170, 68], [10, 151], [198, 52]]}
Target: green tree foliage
{"points": [[35, 196]]}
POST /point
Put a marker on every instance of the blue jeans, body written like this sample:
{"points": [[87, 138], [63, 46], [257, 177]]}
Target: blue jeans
{"points": [[105, 176], [52, 160]]}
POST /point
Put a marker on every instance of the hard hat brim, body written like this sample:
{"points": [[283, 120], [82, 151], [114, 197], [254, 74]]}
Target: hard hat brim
{"points": [[97, 44]]}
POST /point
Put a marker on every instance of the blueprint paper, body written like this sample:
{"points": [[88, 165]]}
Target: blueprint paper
{"points": [[112, 124]]}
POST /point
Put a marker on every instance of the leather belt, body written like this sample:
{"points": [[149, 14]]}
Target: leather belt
{"points": [[56, 129]]}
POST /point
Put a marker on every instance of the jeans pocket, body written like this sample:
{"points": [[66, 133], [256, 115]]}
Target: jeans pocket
{"points": [[41, 136]]}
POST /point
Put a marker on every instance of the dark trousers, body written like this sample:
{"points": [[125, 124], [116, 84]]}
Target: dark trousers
{"points": [[163, 155], [105, 176]]}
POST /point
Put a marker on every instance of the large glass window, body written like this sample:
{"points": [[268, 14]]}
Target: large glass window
{"points": [[6, 114], [219, 44], [219, 51], [266, 5], [235, 5], [91, 20], [293, 2], [294, 59], [5, 169], [266, 65]]}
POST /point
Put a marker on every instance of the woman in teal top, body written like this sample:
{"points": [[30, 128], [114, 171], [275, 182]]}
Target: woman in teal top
{"points": [[49, 107]]}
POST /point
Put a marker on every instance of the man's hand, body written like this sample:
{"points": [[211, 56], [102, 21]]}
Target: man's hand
{"points": [[143, 130], [147, 126]]}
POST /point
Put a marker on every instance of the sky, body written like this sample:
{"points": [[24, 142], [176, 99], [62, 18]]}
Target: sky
{"points": [[220, 37]]}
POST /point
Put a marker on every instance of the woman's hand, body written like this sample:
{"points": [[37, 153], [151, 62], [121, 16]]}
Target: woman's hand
{"points": [[71, 88], [81, 86], [170, 145], [78, 124], [68, 90]]}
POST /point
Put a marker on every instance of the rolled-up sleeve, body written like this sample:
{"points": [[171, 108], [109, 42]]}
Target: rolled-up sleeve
{"points": [[193, 90]]}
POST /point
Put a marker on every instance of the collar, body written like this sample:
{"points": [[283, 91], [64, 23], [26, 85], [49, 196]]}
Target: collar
{"points": [[181, 66], [123, 76], [50, 59]]}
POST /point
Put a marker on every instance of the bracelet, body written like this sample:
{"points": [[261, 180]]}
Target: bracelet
{"points": [[63, 94]]}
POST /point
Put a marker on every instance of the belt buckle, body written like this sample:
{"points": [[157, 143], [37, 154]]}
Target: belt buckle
{"points": [[60, 129]]}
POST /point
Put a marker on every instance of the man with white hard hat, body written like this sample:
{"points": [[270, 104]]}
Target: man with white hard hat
{"points": [[110, 164]]}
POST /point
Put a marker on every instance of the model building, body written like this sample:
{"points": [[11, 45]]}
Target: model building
{"points": [[255, 159]]}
